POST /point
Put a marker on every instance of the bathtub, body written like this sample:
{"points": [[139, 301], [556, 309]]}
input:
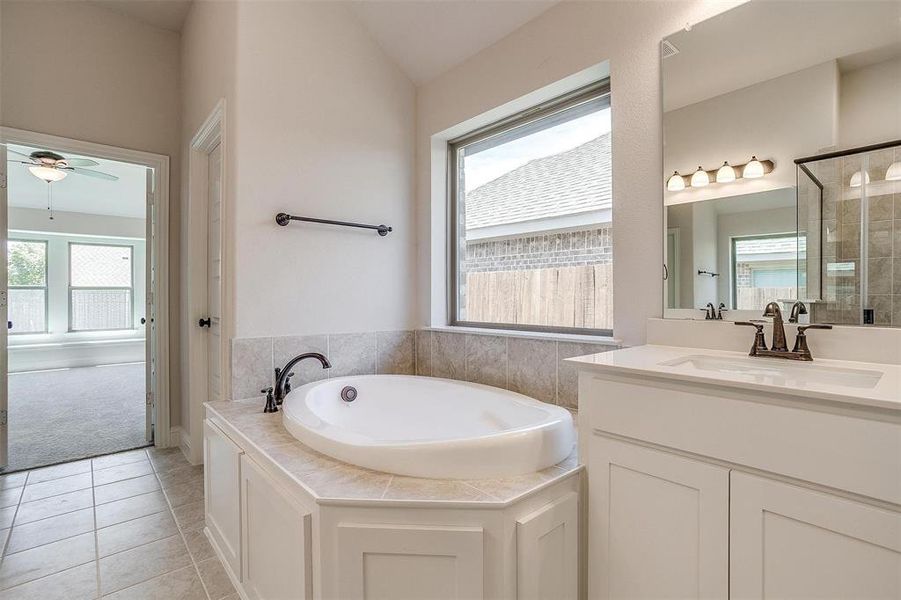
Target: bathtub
{"points": [[429, 427]]}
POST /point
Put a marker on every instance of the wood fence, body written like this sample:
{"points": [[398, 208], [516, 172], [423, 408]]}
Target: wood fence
{"points": [[560, 297], [754, 298]]}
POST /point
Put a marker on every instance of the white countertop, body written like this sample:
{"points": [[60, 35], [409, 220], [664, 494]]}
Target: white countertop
{"points": [[773, 375]]}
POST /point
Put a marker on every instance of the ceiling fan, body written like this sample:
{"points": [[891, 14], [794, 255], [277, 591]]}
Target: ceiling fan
{"points": [[50, 166]]}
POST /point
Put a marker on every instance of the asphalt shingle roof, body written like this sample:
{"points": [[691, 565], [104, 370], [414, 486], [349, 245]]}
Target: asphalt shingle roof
{"points": [[574, 181]]}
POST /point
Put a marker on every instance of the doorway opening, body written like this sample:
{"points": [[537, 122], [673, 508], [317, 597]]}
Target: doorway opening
{"points": [[82, 257]]}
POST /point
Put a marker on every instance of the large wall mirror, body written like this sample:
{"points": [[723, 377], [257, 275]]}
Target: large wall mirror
{"points": [[782, 159]]}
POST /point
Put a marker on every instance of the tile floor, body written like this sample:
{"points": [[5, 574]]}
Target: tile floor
{"points": [[123, 526]]}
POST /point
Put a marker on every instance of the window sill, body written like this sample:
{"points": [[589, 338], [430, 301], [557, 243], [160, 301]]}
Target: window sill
{"points": [[601, 340]]}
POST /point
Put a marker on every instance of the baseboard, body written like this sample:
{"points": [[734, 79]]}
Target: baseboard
{"points": [[182, 440], [175, 436]]}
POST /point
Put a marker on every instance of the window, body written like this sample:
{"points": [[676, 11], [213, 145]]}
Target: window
{"points": [[27, 263], [100, 287], [531, 219], [766, 267]]}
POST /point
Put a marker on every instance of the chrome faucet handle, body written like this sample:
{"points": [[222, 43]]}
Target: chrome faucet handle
{"points": [[801, 346], [759, 337]]}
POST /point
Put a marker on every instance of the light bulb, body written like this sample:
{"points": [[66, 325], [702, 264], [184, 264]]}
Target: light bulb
{"points": [[753, 169], [675, 183], [700, 178], [855, 179], [48, 174], [725, 174], [893, 173]]}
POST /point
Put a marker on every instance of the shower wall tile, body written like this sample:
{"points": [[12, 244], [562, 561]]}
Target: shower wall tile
{"points": [[879, 240], [251, 367], [352, 354], [448, 355], [896, 276], [882, 306], [285, 348], [486, 359], [423, 342], [881, 208], [532, 368], [395, 353], [879, 276]]}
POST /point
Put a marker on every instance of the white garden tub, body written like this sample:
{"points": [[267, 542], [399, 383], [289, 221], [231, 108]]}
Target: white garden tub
{"points": [[428, 427]]}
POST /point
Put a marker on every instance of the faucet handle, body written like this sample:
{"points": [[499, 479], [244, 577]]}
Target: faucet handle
{"points": [[758, 324], [803, 328], [801, 346], [759, 338], [270, 400]]}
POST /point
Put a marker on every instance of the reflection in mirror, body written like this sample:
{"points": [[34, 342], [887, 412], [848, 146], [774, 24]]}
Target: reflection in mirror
{"points": [[740, 251], [782, 123]]}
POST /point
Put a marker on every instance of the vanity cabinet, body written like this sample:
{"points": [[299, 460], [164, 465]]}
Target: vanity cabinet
{"points": [[816, 544], [660, 523], [276, 533], [222, 472], [696, 491]]}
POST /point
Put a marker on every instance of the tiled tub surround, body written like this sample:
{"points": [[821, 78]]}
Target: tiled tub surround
{"points": [[127, 525], [328, 480], [531, 366]]}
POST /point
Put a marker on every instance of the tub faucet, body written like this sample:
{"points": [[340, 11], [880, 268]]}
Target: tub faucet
{"points": [[283, 375]]}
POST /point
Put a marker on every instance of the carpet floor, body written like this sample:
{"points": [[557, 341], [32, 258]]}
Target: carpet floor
{"points": [[64, 415]]}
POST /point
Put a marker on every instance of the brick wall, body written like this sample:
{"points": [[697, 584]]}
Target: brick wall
{"points": [[571, 248]]}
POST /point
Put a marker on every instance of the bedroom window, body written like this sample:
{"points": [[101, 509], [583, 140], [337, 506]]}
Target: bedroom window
{"points": [[531, 219], [101, 287], [27, 263]]}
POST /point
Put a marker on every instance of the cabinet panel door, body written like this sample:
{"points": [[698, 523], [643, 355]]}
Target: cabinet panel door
{"points": [[277, 539], [415, 562], [792, 542], [658, 523], [222, 492], [547, 551]]}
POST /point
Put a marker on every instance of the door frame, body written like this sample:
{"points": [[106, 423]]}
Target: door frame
{"points": [[160, 292], [210, 134]]}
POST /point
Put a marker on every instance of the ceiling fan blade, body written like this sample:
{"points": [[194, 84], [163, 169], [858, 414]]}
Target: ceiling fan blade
{"points": [[90, 173], [82, 162], [11, 151]]}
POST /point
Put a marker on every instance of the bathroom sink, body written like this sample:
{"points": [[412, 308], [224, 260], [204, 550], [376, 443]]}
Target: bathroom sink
{"points": [[775, 371]]}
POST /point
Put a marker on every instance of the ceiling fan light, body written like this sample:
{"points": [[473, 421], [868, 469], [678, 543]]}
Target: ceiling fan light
{"points": [[675, 183], [700, 178], [753, 169], [48, 174], [855, 179], [893, 173], [725, 174]]}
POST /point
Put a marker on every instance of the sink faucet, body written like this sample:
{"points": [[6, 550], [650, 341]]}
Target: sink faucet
{"points": [[801, 351], [772, 310], [276, 395], [798, 309]]}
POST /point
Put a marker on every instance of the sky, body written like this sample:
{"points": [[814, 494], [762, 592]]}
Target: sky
{"points": [[490, 164]]}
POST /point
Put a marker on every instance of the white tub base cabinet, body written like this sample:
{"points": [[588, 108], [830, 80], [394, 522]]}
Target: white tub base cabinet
{"points": [[700, 491], [282, 541]]}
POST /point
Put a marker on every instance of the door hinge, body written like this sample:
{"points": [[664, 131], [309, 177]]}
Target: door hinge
{"points": [[3, 181], [149, 398]]}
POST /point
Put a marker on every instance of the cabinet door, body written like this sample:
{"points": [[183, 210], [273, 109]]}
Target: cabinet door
{"points": [[792, 542], [658, 524], [418, 562], [276, 533], [547, 551], [222, 491]]}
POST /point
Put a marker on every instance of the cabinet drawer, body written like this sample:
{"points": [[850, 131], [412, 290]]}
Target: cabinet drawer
{"points": [[837, 450]]}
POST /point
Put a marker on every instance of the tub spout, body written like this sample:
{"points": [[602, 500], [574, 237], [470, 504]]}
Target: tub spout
{"points": [[283, 375]]}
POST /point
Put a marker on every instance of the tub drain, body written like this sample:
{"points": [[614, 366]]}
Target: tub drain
{"points": [[348, 393]]}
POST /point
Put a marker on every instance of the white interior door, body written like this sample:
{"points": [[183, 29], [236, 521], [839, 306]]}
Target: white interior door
{"points": [[149, 320], [214, 274], [4, 302]]}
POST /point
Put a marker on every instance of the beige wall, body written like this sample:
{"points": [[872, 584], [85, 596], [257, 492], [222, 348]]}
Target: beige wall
{"points": [[75, 70], [566, 39]]}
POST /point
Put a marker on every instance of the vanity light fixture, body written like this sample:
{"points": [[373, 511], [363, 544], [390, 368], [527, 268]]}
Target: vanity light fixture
{"points": [[855, 179], [893, 173], [725, 174], [753, 169], [700, 178], [675, 183], [48, 174]]}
